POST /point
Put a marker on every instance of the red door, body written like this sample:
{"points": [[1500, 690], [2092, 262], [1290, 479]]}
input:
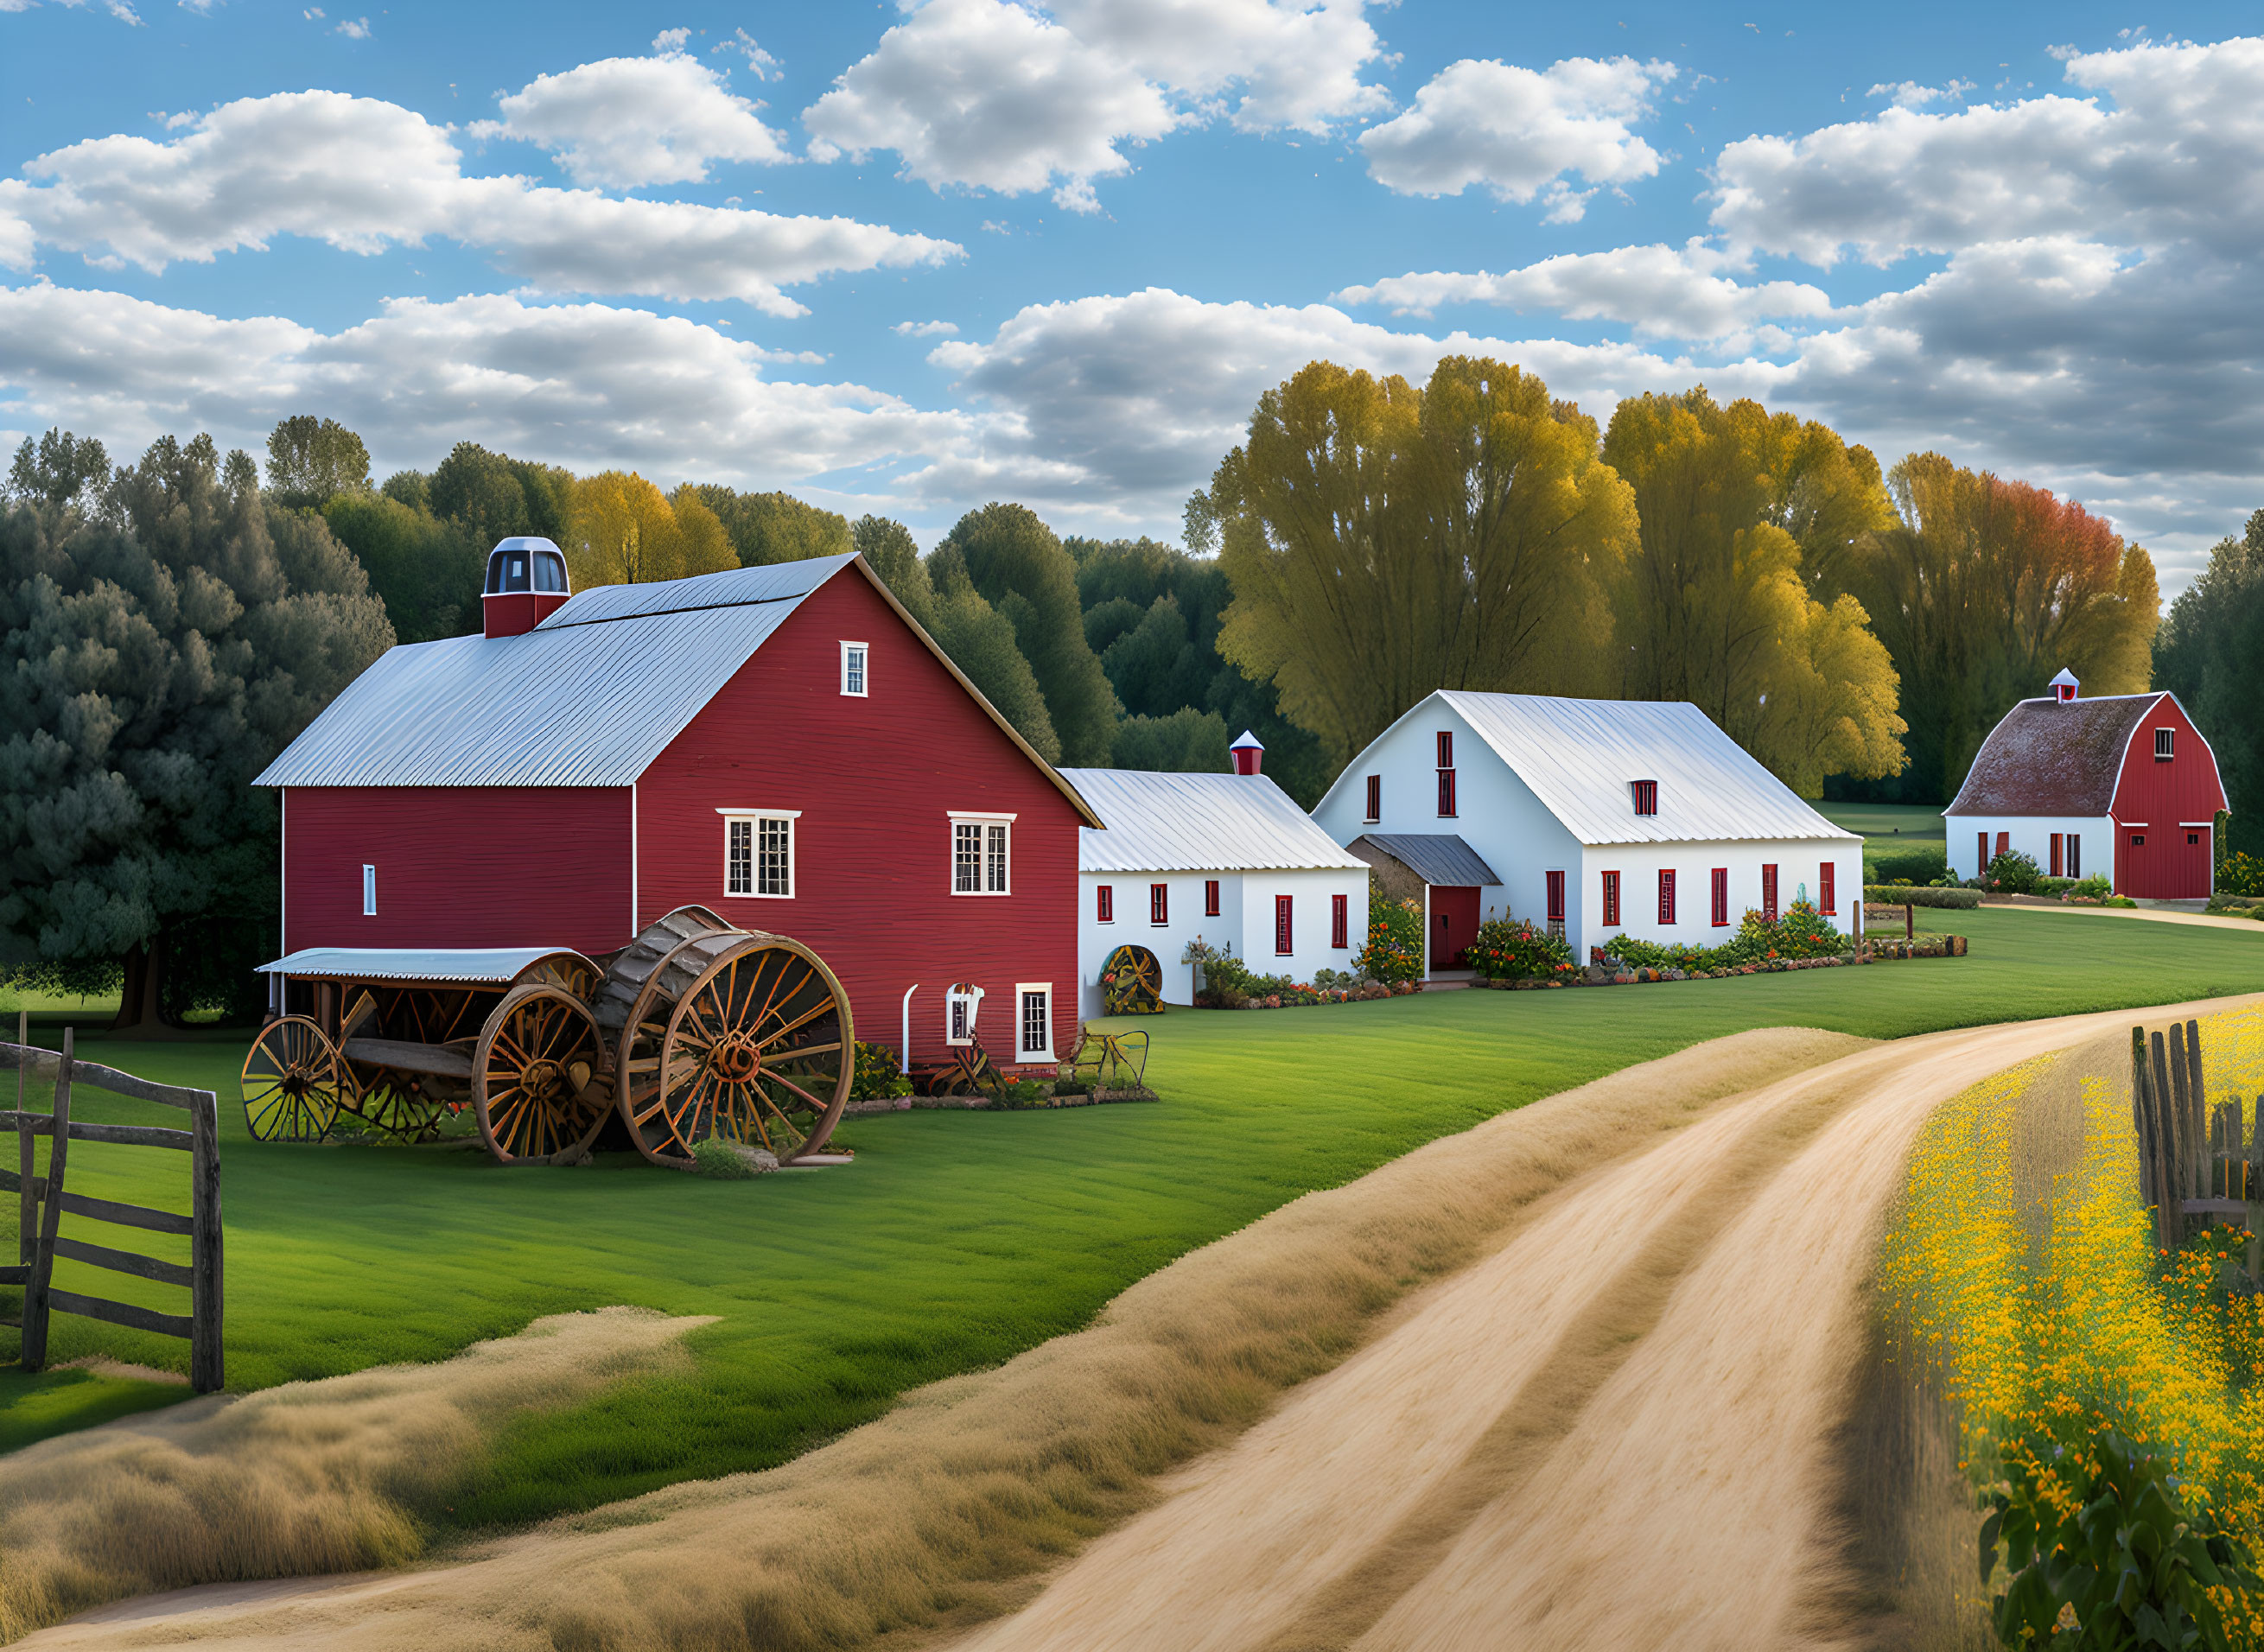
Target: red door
{"points": [[2168, 864], [1454, 924]]}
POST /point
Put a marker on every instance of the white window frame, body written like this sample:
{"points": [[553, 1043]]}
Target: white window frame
{"points": [[984, 820], [2166, 745], [1022, 1054], [971, 996], [368, 891], [757, 816], [863, 652]]}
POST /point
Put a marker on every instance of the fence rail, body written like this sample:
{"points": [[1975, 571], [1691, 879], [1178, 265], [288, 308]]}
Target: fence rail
{"points": [[46, 1199], [2195, 1160]]}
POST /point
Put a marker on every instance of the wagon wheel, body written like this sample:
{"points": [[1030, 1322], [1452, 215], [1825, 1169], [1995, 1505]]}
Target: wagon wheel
{"points": [[538, 1077], [1134, 978], [758, 1050], [570, 970], [293, 1082], [397, 1104]]}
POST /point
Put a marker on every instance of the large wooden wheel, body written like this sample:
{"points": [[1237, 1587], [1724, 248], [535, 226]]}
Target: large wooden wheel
{"points": [[293, 1081], [570, 970], [757, 1049], [1132, 982], [538, 1077], [397, 1104]]}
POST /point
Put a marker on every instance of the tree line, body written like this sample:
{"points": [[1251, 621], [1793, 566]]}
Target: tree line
{"points": [[167, 626]]}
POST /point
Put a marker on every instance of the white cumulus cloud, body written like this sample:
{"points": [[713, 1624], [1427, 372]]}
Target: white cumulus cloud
{"points": [[989, 94], [1518, 132], [927, 329], [1662, 292], [363, 175], [626, 121]]}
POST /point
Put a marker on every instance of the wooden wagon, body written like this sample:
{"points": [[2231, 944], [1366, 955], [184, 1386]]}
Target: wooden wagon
{"points": [[693, 1030]]}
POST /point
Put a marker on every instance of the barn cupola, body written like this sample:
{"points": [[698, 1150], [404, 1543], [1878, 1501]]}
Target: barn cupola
{"points": [[1248, 755], [2063, 686], [526, 582]]}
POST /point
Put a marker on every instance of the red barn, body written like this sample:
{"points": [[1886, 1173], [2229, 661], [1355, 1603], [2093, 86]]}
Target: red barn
{"points": [[782, 744], [2122, 787]]}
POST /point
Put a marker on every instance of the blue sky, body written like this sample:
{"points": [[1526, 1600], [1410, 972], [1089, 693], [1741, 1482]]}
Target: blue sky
{"points": [[908, 259]]}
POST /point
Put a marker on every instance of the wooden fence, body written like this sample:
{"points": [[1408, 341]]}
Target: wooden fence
{"points": [[45, 1199], [2194, 1160]]}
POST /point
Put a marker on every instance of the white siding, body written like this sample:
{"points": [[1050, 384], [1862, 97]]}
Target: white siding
{"points": [[2031, 835], [1244, 922], [1798, 865]]}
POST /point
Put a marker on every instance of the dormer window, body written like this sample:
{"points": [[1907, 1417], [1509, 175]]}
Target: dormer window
{"points": [[1645, 794], [853, 668], [2165, 744]]}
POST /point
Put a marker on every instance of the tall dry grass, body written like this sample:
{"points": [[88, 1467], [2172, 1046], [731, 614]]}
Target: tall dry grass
{"points": [[946, 1511], [308, 1477]]}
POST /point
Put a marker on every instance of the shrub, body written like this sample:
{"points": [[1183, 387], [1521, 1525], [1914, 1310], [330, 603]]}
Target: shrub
{"points": [[876, 1076], [721, 1159], [1955, 900], [2241, 873], [2094, 887], [1508, 949], [1908, 863], [2012, 873], [1395, 940]]}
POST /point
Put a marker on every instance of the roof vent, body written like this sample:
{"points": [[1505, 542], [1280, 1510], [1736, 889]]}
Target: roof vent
{"points": [[2063, 686], [1248, 755], [527, 584]]}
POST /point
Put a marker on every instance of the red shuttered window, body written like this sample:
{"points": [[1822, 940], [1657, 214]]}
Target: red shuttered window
{"points": [[1104, 907], [1611, 900], [1446, 794], [1282, 924], [1768, 892], [1375, 797], [1340, 921], [1646, 796], [1555, 896], [1160, 904], [2004, 842], [1446, 749], [2056, 841], [1827, 888], [1980, 853], [1210, 897], [1721, 897], [1666, 897]]}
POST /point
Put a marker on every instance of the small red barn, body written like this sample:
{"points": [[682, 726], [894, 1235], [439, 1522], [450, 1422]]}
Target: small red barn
{"points": [[2122, 787], [782, 744]]}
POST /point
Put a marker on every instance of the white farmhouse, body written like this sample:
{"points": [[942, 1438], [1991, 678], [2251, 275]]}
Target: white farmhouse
{"points": [[1229, 857], [1603, 817]]}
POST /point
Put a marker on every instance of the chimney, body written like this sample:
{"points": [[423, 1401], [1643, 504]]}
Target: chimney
{"points": [[1247, 753], [527, 584], [2063, 686]]}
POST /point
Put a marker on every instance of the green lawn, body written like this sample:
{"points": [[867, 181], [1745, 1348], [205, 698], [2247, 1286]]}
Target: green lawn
{"points": [[1889, 820], [956, 1239]]}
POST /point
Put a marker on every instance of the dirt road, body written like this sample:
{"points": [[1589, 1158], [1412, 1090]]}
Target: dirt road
{"points": [[1610, 1429]]}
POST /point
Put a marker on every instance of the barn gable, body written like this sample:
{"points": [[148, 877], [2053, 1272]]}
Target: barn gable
{"points": [[2050, 757]]}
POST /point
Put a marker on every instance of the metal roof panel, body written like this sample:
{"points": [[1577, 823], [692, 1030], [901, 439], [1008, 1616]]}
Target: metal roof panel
{"points": [[1438, 858], [1198, 823], [411, 963]]}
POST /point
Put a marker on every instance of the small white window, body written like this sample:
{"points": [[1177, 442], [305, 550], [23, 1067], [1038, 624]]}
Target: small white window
{"points": [[369, 891], [982, 854], [1035, 1041], [853, 668], [2165, 742], [758, 852], [960, 1005]]}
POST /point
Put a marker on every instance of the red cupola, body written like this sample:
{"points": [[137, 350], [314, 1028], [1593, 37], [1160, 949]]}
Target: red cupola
{"points": [[1249, 756], [526, 582]]}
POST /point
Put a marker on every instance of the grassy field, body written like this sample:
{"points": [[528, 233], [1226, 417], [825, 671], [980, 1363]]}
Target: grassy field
{"points": [[1890, 820], [956, 1239]]}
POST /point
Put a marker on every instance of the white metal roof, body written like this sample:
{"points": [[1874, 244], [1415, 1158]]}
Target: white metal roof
{"points": [[1198, 823], [590, 697], [411, 963], [1577, 757]]}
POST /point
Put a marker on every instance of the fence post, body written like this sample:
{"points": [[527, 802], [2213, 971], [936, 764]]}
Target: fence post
{"points": [[2163, 1127], [51, 1211], [27, 1222], [2140, 1120], [2173, 1147], [207, 1372]]}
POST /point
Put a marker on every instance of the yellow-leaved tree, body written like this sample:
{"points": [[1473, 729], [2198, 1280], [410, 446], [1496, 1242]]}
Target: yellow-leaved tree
{"points": [[1749, 524], [1383, 542], [622, 530]]}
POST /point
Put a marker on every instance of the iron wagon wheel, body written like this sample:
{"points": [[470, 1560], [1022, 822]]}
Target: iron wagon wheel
{"points": [[1135, 978], [759, 1051], [538, 1077], [293, 1082]]}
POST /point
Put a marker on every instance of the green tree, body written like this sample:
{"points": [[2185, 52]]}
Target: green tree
{"points": [[891, 551], [412, 488], [981, 643], [774, 527], [1717, 605], [151, 662], [1383, 542], [427, 572], [60, 469], [311, 461], [1184, 742], [1981, 589], [2210, 654], [493, 497], [1019, 566]]}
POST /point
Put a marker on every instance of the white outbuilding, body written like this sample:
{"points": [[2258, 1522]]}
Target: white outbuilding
{"points": [[1600, 818], [1230, 859]]}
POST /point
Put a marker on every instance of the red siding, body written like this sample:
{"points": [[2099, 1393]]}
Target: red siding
{"points": [[2164, 796], [469, 866], [875, 780]]}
